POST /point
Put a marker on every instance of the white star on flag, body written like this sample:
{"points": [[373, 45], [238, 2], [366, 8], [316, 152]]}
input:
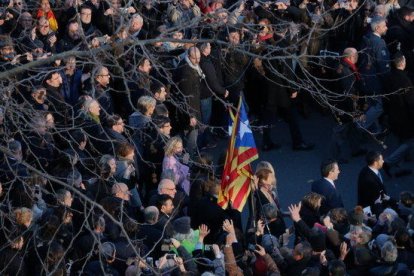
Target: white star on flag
{"points": [[244, 128]]}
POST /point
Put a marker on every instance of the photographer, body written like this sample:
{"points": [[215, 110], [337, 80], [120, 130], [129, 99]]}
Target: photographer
{"points": [[45, 35], [7, 19]]}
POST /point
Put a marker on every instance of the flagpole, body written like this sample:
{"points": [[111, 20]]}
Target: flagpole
{"points": [[253, 208]]}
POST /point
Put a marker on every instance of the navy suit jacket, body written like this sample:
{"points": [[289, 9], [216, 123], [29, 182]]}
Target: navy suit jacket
{"points": [[332, 198]]}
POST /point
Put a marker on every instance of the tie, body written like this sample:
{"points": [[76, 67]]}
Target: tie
{"points": [[379, 176]]}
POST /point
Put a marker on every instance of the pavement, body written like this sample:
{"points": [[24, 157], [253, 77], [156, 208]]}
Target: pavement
{"points": [[295, 170]]}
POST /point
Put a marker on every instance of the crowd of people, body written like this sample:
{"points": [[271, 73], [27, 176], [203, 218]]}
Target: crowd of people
{"points": [[109, 109]]}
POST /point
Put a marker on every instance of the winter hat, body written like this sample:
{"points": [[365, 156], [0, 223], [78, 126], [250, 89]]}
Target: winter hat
{"points": [[182, 225], [356, 216]]}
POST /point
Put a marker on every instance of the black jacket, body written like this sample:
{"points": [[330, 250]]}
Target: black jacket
{"points": [[212, 85], [400, 104], [370, 187], [189, 85]]}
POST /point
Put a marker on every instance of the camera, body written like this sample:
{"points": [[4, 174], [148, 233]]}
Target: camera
{"points": [[49, 35], [171, 256], [251, 247], [123, 10], [150, 261], [208, 247]]}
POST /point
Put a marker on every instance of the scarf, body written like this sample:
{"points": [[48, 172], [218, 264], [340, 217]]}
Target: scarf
{"points": [[50, 17], [94, 118], [353, 68], [195, 67], [264, 38]]}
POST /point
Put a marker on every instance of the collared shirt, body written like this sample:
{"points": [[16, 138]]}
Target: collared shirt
{"points": [[377, 173], [330, 181], [374, 170]]}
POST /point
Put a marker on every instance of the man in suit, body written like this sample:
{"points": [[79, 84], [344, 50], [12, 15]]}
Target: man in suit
{"points": [[370, 180], [400, 111], [166, 207], [326, 186]]}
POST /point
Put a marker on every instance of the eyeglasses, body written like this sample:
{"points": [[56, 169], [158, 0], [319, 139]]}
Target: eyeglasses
{"points": [[18, 3], [170, 189]]}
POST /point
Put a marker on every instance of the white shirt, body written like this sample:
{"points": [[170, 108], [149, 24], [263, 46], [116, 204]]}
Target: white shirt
{"points": [[374, 170], [330, 181]]}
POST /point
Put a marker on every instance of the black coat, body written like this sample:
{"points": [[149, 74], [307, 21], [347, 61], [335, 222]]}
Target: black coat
{"points": [[209, 213], [401, 104], [370, 187], [212, 85], [278, 74], [189, 88], [401, 33], [236, 64], [151, 236]]}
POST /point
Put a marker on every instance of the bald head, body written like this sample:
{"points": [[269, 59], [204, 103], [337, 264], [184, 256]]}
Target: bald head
{"points": [[194, 55], [351, 54]]}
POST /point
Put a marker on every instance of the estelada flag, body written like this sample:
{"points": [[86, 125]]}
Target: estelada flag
{"points": [[237, 173]]}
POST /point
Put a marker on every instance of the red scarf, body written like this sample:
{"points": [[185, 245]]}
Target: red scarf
{"points": [[264, 38], [353, 68]]}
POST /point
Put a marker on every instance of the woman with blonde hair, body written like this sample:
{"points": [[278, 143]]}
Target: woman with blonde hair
{"points": [[268, 166], [173, 149]]}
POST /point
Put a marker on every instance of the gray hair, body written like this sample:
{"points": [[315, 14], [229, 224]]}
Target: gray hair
{"points": [[87, 104], [145, 102], [376, 21], [151, 214], [389, 252], [105, 159], [163, 183], [136, 16], [203, 46], [270, 211]]}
